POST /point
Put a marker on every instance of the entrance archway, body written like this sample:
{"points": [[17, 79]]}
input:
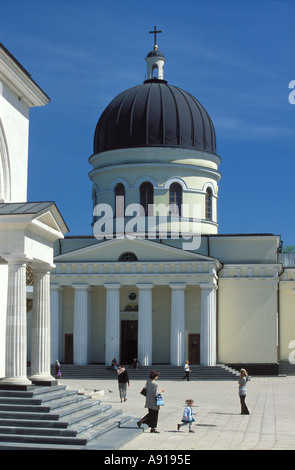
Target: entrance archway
{"points": [[129, 333]]}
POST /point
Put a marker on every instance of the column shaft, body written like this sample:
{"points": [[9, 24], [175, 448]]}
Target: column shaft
{"points": [[56, 322], [40, 329], [145, 325], [81, 316], [112, 336], [16, 325], [177, 337], [208, 324]]}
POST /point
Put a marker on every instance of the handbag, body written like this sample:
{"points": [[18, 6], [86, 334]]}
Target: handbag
{"points": [[160, 401], [143, 392]]}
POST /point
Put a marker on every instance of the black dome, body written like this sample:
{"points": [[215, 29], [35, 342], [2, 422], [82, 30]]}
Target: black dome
{"points": [[154, 114]]}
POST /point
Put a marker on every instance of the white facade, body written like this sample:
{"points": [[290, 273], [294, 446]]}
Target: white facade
{"points": [[27, 234]]}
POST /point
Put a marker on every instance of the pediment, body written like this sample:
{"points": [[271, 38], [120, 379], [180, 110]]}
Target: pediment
{"points": [[48, 220], [145, 251]]}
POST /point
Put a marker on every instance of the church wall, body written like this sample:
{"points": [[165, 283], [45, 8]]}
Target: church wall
{"points": [[161, 298], [156, 154], [245, 249], [15, 121], [247, 321], [3, 303], [98, 325], [287, 320]]}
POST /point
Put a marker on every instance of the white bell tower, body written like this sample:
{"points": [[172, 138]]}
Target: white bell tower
{"points": [[155, 60]]}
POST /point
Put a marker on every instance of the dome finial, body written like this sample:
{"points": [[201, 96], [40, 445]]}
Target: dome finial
{"points": [[155, 32]]}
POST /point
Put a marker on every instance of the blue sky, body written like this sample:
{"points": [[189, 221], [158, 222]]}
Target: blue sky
{"points": [[236, 57]]}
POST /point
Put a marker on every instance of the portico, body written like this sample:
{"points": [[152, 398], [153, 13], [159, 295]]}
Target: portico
{"points": [[27, 234], [97, 295]]}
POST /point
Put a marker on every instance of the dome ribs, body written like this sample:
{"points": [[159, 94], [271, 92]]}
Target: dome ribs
{"points": [[154, 114]]}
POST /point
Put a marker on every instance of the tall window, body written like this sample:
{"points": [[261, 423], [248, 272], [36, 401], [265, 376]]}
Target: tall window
{"points": [[146, 197], [208, 205], [175, 198], [119, 200]]}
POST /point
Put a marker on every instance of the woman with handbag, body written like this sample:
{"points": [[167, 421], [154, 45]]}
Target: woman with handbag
{"points": [[151, 418]]}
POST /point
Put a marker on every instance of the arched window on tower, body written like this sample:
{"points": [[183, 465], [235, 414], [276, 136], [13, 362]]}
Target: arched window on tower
{"points": [[119, 200], [175, 198], [155, 71], [208, 204], [146, 191]]}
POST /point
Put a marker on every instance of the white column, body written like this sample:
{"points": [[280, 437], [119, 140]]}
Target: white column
{"points": [[40, 329], [89, 323], [145, 325], [81, 316], [112, 336], [177, 336], [56, 322], [16, 325], [208, 325]]}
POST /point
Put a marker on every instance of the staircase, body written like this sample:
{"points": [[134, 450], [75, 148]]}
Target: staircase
{"points": [[167, 372], [57, 418]]}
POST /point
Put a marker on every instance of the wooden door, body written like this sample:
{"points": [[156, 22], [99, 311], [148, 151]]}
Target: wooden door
{"points": [[129, 330], [194, 348], [69, 343]]}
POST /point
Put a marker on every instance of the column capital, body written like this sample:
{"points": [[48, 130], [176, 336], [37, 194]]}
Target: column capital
{"points": [[56, 287], [145, 286], [16, 259], [40, 267], [80, 286], [208, 285], [178, 285], [112, 285]]}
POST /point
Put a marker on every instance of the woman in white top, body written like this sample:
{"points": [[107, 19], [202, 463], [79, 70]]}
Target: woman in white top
{"points": [[243, 391], [187, 371]]}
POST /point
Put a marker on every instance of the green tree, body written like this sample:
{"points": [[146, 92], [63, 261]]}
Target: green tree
{"points": [[288, 249]]}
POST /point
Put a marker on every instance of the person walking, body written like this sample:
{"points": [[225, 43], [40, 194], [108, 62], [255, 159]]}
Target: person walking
{"points": [[57, 369], [123, 380], [243, 391], [186, 371], [187, 417], [151, 418]]}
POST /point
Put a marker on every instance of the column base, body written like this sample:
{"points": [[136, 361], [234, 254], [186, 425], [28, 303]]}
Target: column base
{"points": [[18, 384], [43, 380]]}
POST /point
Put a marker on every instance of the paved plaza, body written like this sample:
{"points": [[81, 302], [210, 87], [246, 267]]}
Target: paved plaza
{"points": [[219, 425]]}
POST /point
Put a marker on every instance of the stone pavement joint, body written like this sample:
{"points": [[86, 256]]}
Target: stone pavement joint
{"points": [[219, 425]]}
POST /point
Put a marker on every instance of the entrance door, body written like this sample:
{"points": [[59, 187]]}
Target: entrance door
{"points": [[194, 348], [129, 329], [69, 357]]}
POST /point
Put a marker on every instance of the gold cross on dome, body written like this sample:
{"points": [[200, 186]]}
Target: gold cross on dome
{"points": [[155, 32]]}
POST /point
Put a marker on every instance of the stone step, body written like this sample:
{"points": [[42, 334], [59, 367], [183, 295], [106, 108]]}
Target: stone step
{"points": [[286, 368], [55, 418], [167, 372]]}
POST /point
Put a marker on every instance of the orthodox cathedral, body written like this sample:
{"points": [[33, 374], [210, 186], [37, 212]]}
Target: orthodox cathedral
{"points": [[156, 281]]}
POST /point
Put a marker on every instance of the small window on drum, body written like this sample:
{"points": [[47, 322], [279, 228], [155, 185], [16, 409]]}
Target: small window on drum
{"points": [[119, 200], [146, 192], [128, 256], [175, 198], [208, 204]]}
